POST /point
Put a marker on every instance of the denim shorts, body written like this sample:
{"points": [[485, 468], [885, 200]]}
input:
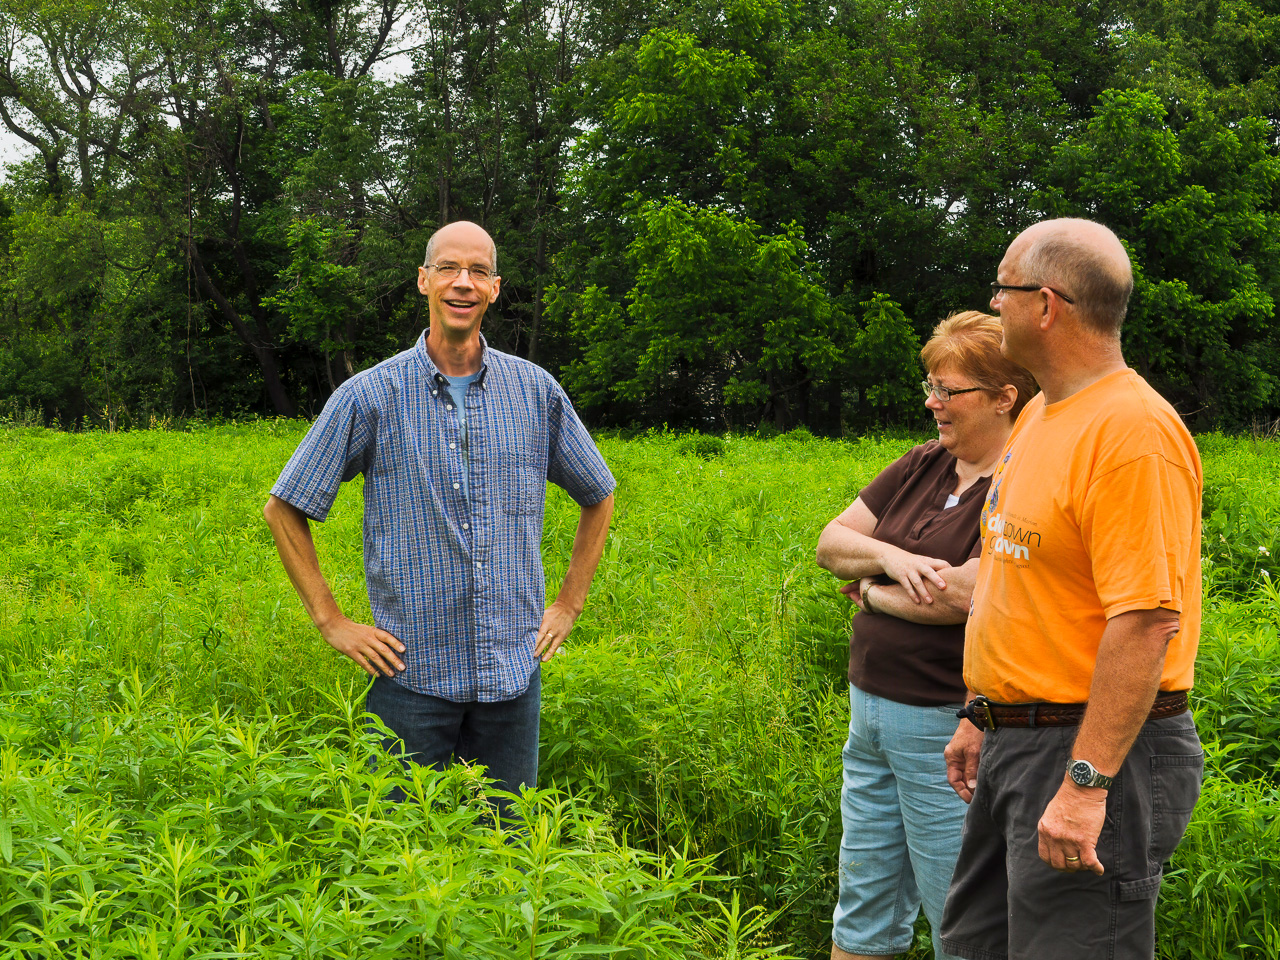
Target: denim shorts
{"points": [[902, 824], [1005, 902]]}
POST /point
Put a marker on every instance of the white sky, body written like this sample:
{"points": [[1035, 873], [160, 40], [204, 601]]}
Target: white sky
{"points": [[11, 150]]}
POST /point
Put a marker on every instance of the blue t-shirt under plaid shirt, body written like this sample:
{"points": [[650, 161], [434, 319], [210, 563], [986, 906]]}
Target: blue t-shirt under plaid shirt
{"points": [[457, 579]]}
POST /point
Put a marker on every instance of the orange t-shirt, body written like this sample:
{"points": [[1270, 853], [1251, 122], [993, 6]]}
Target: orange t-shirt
{"points": [[1093, 511]]}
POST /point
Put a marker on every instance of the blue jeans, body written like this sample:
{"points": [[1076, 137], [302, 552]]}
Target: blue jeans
{"points": [[902, 824], [502, 736]]}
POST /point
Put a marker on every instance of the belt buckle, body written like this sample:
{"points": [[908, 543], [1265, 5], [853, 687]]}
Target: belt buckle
{"points": [[978, 712], [984, 706]]}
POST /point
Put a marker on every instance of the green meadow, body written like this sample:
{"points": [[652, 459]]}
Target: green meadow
{"points": [[185, 770]]}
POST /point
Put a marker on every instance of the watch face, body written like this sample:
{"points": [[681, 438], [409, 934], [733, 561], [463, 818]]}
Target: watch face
{"points": [[1082, 772]]}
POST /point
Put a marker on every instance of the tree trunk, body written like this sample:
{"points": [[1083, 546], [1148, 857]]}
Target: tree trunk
{"points": [[540, 267], [262, 349]]}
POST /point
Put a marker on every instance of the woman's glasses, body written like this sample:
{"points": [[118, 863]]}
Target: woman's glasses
{"points": [[941, 392]]}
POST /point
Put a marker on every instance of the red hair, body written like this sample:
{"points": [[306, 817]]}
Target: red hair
{"points": [[969, 343]]}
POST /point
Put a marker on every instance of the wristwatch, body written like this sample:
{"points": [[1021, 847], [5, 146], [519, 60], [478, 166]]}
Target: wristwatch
{"points": [[866, 602], [1085, 774]]}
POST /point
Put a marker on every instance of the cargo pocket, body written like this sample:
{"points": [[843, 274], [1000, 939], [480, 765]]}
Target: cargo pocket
{"points": [[1145, 889], [1160, 811]]}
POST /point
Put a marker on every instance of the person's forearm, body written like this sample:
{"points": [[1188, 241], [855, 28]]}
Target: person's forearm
{"points": [[292, 534], [1126, 678], [374, 650], [588, 546], [848, 554], [848, 549], [950, 605], [893, 601]]}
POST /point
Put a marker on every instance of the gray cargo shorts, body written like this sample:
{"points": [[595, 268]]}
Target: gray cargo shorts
{"points": [[1005, 902]]}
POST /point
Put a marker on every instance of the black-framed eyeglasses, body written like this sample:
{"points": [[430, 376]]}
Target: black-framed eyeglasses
{"points": [[998, 288], [451, 270], [941, 392]]}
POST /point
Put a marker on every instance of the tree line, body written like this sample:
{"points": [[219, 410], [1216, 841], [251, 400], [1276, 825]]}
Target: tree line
{"points": [[719, 214]]}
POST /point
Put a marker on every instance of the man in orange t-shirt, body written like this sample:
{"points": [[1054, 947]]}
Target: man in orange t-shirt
{"points": [[1082, 635]]}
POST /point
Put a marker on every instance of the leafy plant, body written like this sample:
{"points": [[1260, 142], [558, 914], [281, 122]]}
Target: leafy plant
{"points": [[184, 767]]}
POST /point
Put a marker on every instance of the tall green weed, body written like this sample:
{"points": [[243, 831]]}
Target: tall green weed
{"points": [[1241, 514], [143, 834], [148, 637]]}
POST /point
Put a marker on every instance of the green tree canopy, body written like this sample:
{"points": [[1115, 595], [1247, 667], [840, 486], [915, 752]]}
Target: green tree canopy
{"points": [[262, 178]]}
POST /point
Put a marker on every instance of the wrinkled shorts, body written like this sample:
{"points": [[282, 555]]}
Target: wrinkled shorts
{"points": [[1005, 902], [902, 824]]}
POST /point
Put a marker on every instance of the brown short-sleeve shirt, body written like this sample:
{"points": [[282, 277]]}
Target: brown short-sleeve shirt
{"points": [[916, 663]]}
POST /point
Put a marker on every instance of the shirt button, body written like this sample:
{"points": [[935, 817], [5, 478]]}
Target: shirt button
{"points": [[453, 446], [448, 406], [456, 486], [479, 565], [466, 526], [435, 393]]}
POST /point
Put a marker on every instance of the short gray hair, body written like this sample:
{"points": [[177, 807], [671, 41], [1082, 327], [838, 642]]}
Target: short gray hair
{"points": [[1086, 273], [431, 249]]}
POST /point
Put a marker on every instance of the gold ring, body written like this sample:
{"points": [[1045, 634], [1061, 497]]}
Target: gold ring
{"points": [[1072, 859]]}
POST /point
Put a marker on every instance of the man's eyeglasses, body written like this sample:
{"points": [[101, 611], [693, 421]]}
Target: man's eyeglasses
{"points": [[941, 392], [999, 288], [450, 271]]}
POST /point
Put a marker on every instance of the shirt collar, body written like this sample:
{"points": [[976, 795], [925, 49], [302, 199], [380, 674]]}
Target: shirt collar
{"points": [[434, 371]]}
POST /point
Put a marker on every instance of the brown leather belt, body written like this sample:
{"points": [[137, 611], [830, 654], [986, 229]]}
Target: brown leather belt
{"points": [[985, 715]]}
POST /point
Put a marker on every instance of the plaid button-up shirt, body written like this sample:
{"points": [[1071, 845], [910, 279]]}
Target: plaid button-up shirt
{"points": [[457, 579]]}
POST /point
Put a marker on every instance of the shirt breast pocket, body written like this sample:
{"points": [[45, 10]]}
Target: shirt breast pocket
{"points": [[523, 484]]}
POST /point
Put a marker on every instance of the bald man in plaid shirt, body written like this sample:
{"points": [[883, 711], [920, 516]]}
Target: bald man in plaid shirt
{"points": [[456, 442]]}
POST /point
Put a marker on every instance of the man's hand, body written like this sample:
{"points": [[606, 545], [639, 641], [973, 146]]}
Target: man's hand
{"points": [[1070, 828], [557, 622], [962, 755], [373, 649]]}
